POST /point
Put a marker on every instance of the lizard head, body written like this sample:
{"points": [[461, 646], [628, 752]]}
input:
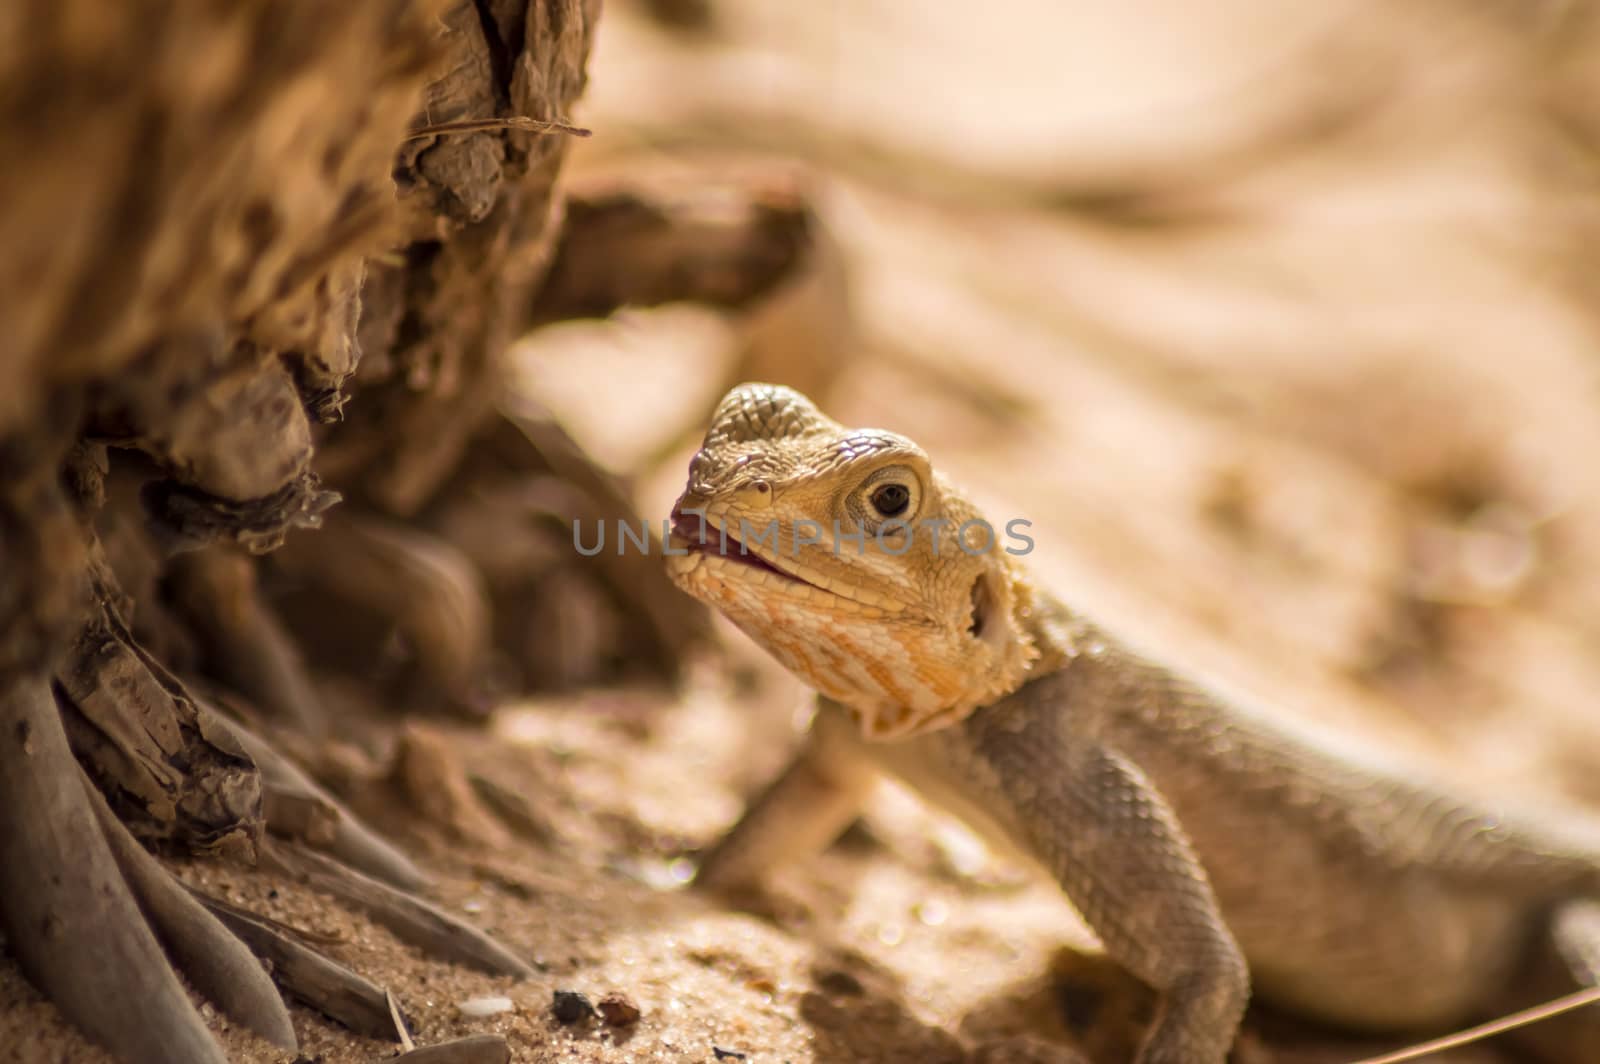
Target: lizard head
{"points": [[844, 555]]}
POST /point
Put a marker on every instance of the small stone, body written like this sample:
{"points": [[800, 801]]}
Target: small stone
{"points": [[618, 1010], [570, 1007], [727, 1054], [484, 1006]]}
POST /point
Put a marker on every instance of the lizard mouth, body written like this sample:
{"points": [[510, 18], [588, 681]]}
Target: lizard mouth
{"points": [[700, 536], [695, 535]]}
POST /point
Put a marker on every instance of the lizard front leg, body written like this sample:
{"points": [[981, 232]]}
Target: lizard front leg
{"points": [[797, 815], [1095, 821]]}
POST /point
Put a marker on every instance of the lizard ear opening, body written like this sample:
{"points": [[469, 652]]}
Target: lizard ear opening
{"points": [[990, 623]]}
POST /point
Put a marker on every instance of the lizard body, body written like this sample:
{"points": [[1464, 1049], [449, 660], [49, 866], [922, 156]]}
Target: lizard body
{"points": [[1214, 851]]}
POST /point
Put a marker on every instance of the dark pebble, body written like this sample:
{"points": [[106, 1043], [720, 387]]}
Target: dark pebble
{"points": [[569, 1007]]}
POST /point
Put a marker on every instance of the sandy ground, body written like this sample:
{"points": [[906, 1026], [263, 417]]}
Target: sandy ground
{"points": [[1321, 427], [906, 942]]}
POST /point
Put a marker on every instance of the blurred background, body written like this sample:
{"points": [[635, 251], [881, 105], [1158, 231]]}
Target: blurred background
{"points": [[1279, 322]]}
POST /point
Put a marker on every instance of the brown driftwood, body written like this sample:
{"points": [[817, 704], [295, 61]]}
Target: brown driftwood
{"points": [[150, 747], [413, 920], [478, 211], [216, 962], [242, 643], [142, 223], [685, 16], [747, 243], [278, 267], [473, 1049], [556, 625], [725, 245], [296, 807], [68, 914], [43, 588], [525, 463], [308, 976], [371, 589], [514, 808]]}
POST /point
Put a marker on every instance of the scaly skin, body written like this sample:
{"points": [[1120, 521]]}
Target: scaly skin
{"points": [[1210, 849]]}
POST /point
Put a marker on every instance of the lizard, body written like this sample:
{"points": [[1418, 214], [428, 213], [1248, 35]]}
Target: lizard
{"points": [[1216, 851]]}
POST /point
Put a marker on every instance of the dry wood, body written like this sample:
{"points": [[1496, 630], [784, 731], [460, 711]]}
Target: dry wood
{"points": [[299, 934], [299, 808], [399, 1021], [1566, 1003], [42, 594], [484, 125], [725, 245], [148, 744], [514, 807], [482, 209], [67, 912], [142, 223], [526, 455], [412, 919], [243, 644], [473, 1049], [210, 252], [556, 626], [683, 16], [308, 976], [216, 962], [372, 589]]}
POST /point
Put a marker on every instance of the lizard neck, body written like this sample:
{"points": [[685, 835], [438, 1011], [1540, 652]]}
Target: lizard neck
{"points": [[1045, 624]]}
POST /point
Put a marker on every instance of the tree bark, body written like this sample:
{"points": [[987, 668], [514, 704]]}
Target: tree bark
{"points": [[199, 201], [253, 303]]}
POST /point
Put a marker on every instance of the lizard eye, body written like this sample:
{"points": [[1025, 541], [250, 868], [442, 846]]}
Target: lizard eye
{"points": [[890, 500], [890, 495]]}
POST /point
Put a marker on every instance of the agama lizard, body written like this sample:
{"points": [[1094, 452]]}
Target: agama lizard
{"points": [[1213, 850]]}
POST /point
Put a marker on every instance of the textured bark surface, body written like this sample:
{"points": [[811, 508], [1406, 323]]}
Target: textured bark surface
{"points": [[724, 245], [237, 290], [68, 915]]}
